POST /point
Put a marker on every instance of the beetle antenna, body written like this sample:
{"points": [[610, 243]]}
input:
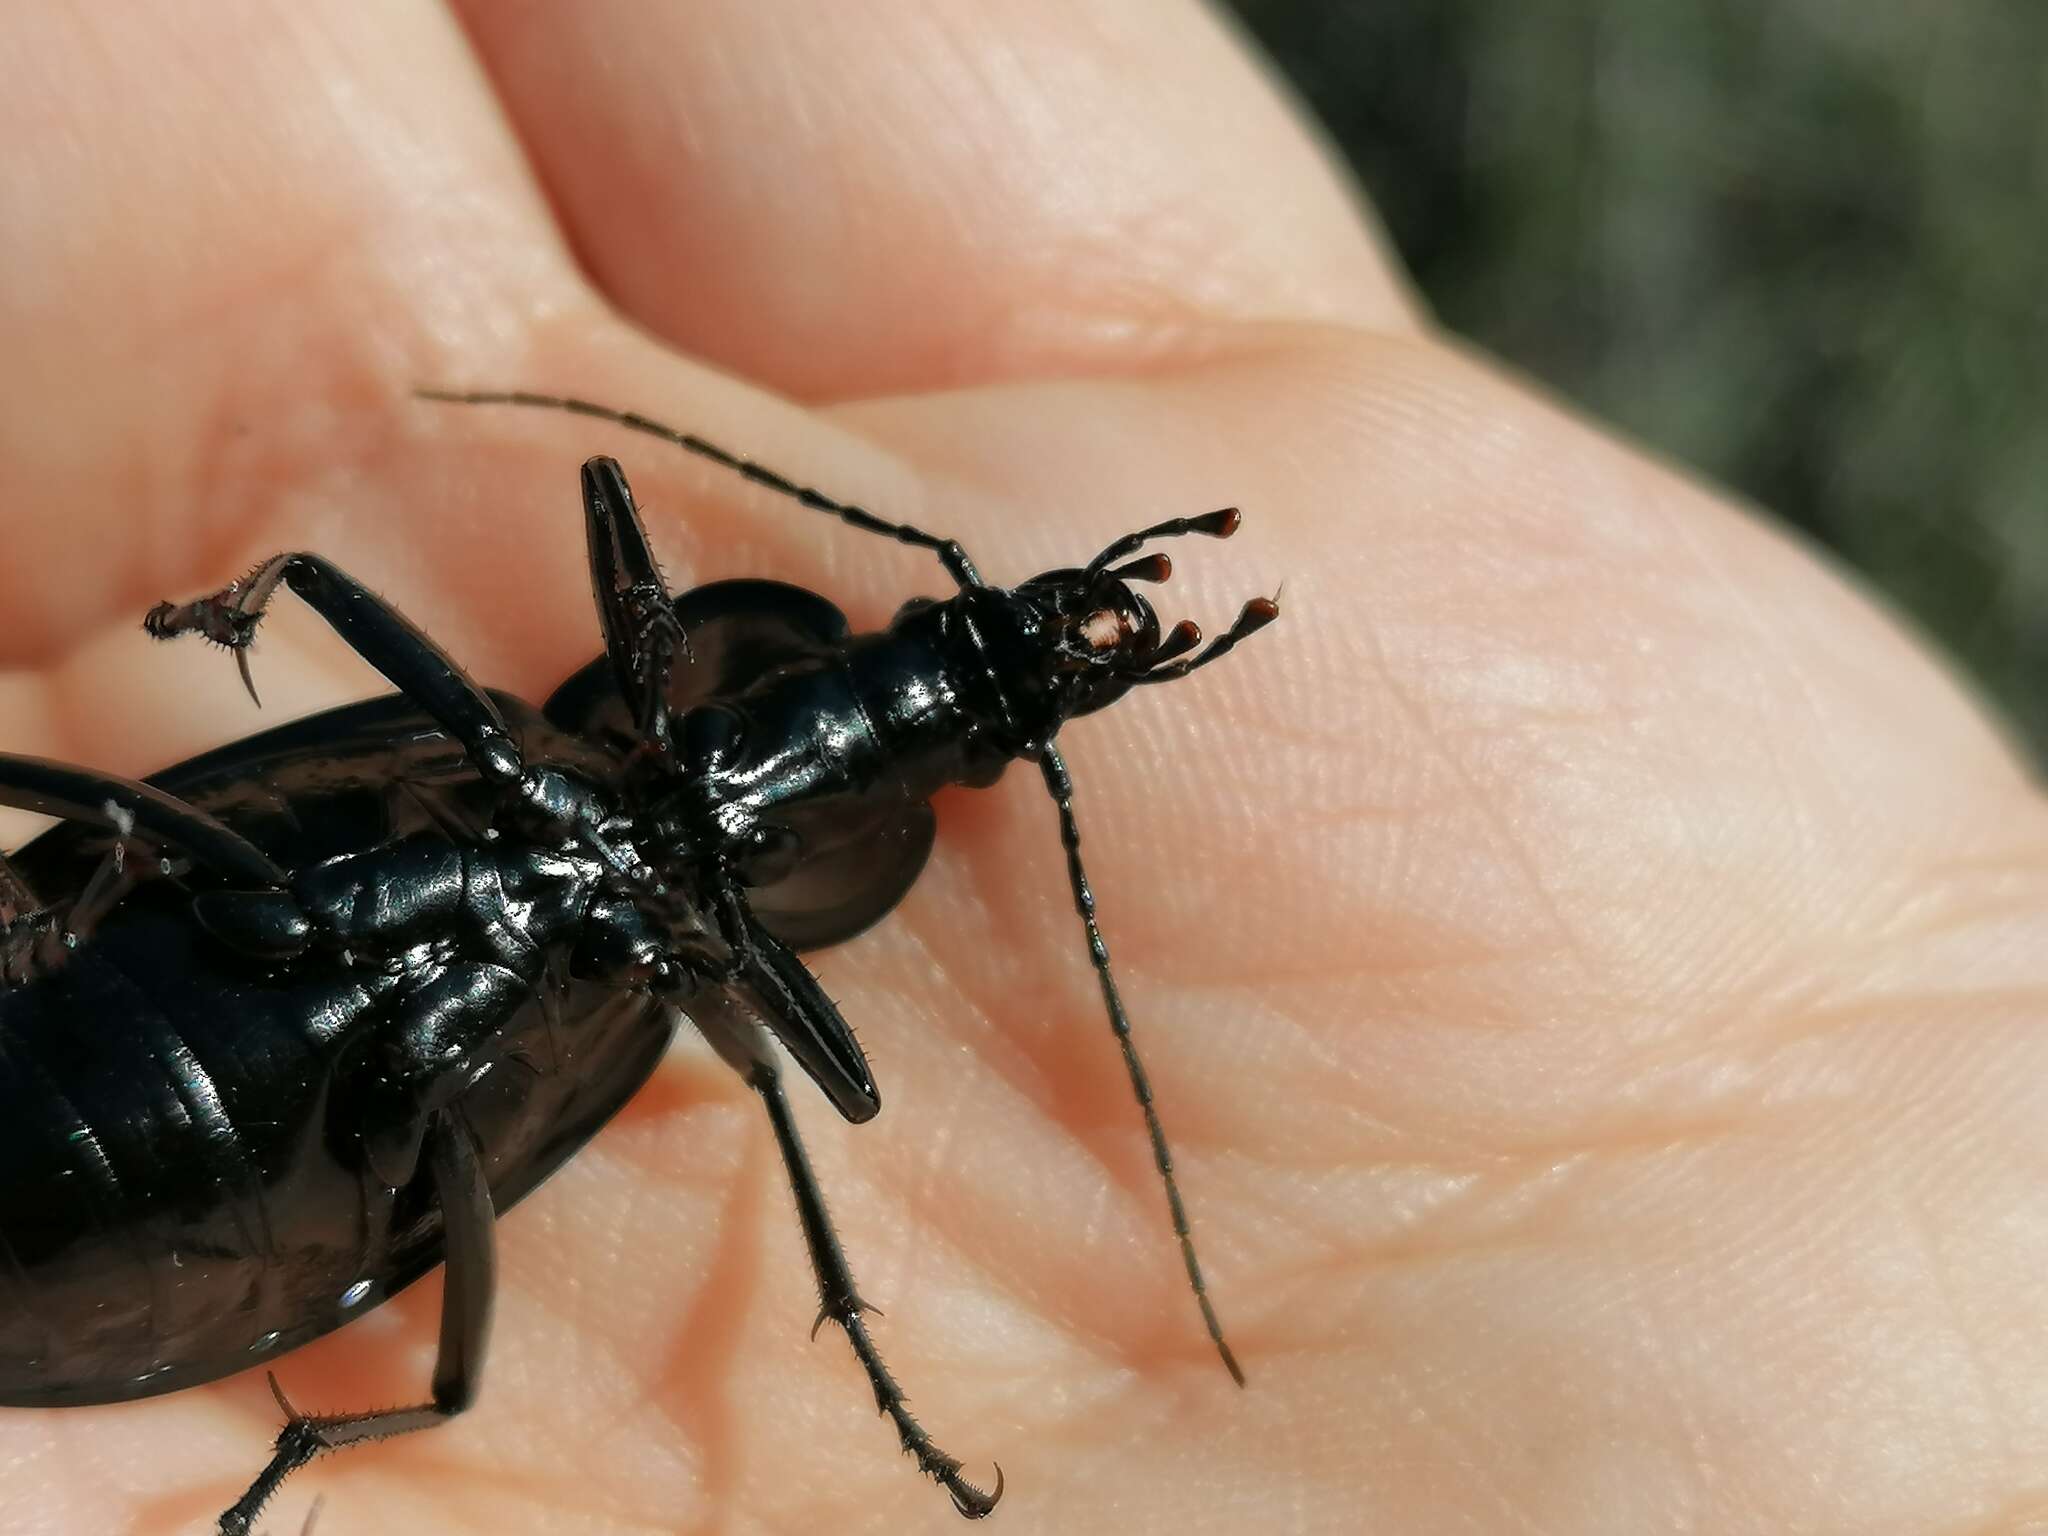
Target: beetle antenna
{"points": [[1256, 615], [1220, 524], [1060, 785], [1153, 567], [950, 554], [1181, 639]]}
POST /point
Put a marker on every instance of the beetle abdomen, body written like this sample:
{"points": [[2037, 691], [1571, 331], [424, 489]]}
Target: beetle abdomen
{"points": [[169, 1200], [185, 1193]]}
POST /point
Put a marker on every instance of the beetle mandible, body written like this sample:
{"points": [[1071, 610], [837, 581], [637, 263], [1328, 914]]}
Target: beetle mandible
{"points": [[297, 1018]]}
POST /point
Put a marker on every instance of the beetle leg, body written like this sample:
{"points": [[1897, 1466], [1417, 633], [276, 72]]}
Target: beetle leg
{"points": [[23, 922], [19, 905], [1060, 785], [17, 896], [55, 936], [129, 808], [26, 946], [468, 1235], [798, 1013], [641, 632], [35, 938], [373, 629], [724, 1019], [839, 1302]]}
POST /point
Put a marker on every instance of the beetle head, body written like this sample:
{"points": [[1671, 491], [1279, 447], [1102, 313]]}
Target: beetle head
{"points": [[1095, 634], [1070, 641]]}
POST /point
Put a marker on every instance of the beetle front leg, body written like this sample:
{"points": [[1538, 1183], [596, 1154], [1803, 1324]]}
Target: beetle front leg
{"points": [[373, 629], [467, 1220], [634, 606]]}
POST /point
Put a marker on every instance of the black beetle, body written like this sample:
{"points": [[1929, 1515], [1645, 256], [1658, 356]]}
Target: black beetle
{"points": [[286, 1025]]}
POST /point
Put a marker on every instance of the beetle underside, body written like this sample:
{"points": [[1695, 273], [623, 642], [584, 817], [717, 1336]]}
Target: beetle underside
{"points": [[535, 909]]}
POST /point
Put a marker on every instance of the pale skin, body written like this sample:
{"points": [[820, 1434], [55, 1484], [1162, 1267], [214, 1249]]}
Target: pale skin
{"points": [[1593, 963]]}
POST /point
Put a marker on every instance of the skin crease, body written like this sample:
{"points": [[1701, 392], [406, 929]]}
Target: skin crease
{"points": [[1593, 965]]}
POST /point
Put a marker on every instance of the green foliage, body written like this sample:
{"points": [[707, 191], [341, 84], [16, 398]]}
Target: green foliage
{"points": [[1802, 246]]}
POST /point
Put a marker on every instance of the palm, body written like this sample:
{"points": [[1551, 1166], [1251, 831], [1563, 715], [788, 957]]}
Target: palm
{"points": [[1590, 966]]}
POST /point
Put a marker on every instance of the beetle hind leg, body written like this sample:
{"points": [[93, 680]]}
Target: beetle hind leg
{"points": [[467, 1219]]}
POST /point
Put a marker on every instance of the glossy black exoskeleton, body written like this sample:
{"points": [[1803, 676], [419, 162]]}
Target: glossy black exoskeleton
{"points": [[286, 1025]]}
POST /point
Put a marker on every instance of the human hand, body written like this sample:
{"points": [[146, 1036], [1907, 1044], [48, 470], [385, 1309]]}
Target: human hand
{"points": [[1591, 964]]}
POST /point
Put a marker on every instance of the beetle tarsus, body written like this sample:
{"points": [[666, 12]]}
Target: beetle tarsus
{"points": [[843, 1305], [297, 1443], [373, 629], [467, 1218], [970, 1500], [828, 1313]]}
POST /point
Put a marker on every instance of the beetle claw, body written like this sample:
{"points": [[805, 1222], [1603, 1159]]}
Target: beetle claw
{"points": [[972, 1503], [284, 1403], [248, 682]]}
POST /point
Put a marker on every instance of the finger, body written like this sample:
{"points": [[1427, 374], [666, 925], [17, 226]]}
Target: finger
{"points": [[226, 229], [844, 201], [1530, 695]]}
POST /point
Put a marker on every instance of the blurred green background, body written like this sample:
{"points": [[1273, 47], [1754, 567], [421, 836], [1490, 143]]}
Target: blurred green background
{"points": [[1801, 245]]}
